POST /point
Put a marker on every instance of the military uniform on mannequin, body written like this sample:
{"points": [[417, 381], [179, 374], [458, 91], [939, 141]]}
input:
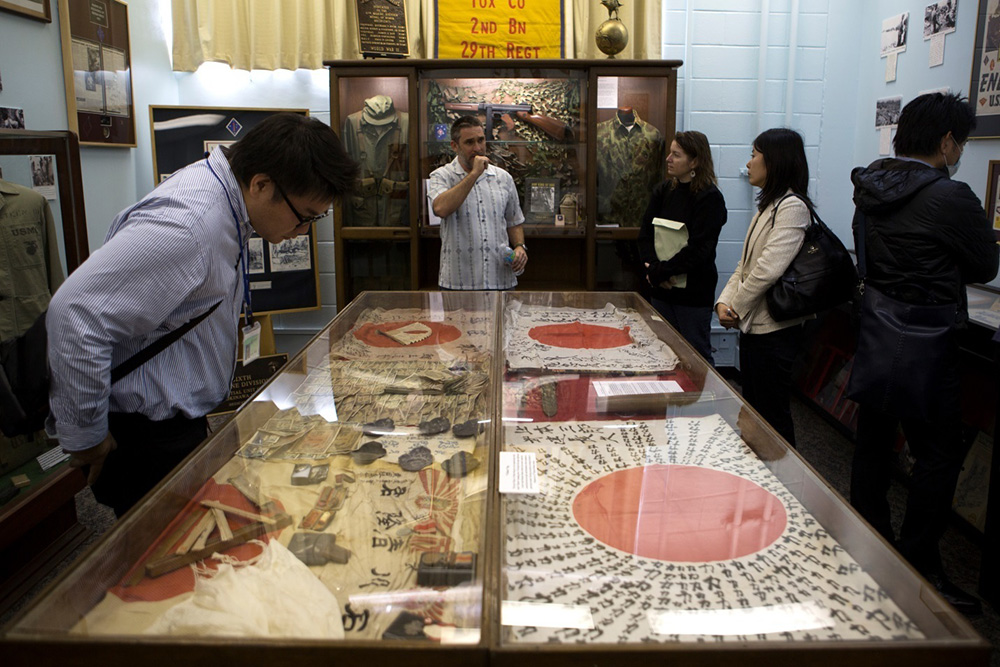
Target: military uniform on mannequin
{"points": [[377, 137], [29, 273], [631, 155]]}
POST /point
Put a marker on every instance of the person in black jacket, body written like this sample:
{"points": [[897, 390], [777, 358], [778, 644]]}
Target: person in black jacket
{"points": [[690, 196], [926, 237]]}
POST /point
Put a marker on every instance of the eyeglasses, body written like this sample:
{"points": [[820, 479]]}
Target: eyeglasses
{"points": [[303, 220]]}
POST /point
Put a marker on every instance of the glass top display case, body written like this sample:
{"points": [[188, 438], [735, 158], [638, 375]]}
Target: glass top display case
{"points": [[647, 513], [341, 509], [525, 478]]}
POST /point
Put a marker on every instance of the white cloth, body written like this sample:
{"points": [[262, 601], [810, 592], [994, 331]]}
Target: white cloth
{"points": [[276, 596]]}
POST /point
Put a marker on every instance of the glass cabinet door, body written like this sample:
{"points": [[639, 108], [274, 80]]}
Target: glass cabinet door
{"points": [[374, 125], [535, 121]]}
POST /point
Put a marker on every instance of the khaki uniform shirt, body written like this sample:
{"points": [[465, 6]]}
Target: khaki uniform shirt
{"points": [[29, 258], [384, 195]]}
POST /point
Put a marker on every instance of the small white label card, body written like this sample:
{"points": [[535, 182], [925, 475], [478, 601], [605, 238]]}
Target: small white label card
{"points": [[884, 140], [546, 615], [890, 67], [745, 621], [251, 342], [937, 51], [634, 387], [518, 474]]}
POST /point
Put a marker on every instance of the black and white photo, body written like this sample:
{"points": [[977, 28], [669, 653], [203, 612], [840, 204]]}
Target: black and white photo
{"points": [[887, 111], [939, 19], [291, 255], [255, 256], [11, 118], [894, 31]]}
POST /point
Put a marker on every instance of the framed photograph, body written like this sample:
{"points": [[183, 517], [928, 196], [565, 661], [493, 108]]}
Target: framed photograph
{"points": [[40, 10], [541, 200], [984, 86], [97, 71], [992, 194]]}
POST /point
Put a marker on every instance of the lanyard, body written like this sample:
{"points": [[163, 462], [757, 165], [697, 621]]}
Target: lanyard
{"points": [[247, 309]]}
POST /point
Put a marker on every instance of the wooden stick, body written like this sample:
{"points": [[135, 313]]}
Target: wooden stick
{"points": [[240, 536], [189, 541], [162, 549], [237, 511], [225, 532], [199, 544]]}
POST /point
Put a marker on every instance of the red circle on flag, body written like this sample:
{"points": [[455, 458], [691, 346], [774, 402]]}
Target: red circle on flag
{"points": [[680, 513], [579, 336]]}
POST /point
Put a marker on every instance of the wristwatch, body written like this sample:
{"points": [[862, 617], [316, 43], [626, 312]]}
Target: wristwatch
{"points": [[520, 245]]}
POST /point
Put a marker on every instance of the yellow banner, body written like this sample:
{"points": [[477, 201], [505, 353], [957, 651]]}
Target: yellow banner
{"points": [[512, 29]]}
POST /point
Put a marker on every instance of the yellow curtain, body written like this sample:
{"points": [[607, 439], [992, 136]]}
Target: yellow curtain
{"points": [[293, 34], [273, 34], [642, 18]]}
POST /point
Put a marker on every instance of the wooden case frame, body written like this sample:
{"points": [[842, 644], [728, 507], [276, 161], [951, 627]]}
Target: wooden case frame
{"points": [[98, 31]]}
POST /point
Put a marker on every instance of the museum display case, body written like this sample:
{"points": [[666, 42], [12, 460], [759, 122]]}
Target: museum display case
{"points": [[342, 505], [584, 141], [470, 477]]}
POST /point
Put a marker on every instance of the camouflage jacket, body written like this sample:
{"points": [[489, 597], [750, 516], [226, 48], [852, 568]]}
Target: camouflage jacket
{"points": [[630, 163]]}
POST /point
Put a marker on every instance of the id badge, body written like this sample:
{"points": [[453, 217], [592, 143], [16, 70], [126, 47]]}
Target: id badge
{"points": [[251, 342]]}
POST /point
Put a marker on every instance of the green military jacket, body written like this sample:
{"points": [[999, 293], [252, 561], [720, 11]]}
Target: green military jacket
{"points": [[384, 194], [29, 270], [630, 163]]}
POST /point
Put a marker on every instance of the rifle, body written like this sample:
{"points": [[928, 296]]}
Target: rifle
{"points": [[525, 112]]}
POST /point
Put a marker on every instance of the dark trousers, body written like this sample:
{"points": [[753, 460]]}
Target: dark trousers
{"points": [[694, 323], [766, 362], [147, 451], [939, 450]]}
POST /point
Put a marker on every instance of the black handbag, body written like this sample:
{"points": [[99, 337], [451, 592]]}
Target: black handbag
{"points": [[903, 351], [820, 277]]}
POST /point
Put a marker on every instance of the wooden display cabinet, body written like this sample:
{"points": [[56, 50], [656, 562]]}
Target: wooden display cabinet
{"points": [[551, 125]]}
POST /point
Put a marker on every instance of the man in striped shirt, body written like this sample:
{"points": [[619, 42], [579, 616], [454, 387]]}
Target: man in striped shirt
{"points": [[480, 215], [167, 260]]}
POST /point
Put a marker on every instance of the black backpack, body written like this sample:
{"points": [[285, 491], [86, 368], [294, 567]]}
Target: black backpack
{"points": [[24, 373]]}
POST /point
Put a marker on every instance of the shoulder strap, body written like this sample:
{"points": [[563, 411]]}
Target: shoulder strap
{"points": [[774, 213], [159, 345]]}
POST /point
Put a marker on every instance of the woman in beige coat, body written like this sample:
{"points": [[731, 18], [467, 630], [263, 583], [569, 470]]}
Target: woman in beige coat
{"points": [[767, 348]]}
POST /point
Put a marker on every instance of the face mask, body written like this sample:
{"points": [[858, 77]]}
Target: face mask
{"points": [[953, 168]]}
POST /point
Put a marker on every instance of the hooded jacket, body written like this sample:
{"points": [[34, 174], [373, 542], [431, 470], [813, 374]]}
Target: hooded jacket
{"points": [[926, 236]]}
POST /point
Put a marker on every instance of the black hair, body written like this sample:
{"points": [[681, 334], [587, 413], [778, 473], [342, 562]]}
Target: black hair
{"points": [[928, 118], [461, 123], [785, 160], [302, 155]]}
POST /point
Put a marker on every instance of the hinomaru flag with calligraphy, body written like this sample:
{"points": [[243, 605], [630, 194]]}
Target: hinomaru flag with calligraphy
{"points": [[508, 29]]}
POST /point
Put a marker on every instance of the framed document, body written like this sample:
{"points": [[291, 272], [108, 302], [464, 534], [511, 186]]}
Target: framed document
{"points": [[541, 200], [992, 194], [97, 66], [40, 10], [984, 88]]}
